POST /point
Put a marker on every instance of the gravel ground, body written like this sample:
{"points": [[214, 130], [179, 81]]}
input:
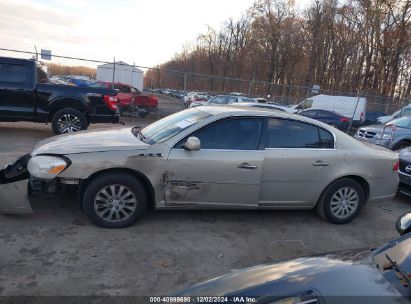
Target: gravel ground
{"points": [[57, 252]]}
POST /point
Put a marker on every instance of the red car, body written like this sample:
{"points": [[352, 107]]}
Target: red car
{"points": [[129, 98]]}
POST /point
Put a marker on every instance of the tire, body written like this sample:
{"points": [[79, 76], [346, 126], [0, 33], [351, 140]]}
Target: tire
{"points": [[125, 206], [68, 121], [329, 204], [401, 145]]}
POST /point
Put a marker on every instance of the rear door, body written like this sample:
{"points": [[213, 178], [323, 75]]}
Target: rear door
{"points": [[16, 90], [298, 163], [226, 171]]}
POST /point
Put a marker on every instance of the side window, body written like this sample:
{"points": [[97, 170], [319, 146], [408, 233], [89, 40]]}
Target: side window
{"points": [[124, 89], [218, 100], [284, 133], [406, 112], [310, 114], [322, 114], [13, 73], [231, 134], [232, 99]]}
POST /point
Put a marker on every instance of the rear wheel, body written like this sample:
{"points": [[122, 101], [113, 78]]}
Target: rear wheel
{"points": [[68, 121], [341, 201], [114, 200]]}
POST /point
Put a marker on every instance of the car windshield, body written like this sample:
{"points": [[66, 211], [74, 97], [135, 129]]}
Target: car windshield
{"points": [[393, 260], [169, 126], [403, 122]]}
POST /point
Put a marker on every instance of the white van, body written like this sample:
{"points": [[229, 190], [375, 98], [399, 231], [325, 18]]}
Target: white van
{"points": [[342, 105]]}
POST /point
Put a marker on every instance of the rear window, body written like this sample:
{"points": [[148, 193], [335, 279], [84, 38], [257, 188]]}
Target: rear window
{"points": [[14, 73], [283, 133]]}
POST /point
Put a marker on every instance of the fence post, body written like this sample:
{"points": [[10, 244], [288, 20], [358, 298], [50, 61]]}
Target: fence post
{"points": [[250, 87], [114, 72], [353, 114]]}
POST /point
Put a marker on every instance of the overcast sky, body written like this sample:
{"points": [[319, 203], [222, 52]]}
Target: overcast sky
{"points": [[144, 32]]}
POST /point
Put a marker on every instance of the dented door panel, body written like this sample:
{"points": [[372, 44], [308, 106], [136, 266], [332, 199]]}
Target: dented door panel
{"points": [[213, 178]]}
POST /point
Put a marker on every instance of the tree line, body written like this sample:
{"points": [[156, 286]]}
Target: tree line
{"points": [[355, 46]]}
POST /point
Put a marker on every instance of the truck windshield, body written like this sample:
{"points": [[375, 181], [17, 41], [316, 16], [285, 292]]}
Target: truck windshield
{"points": [[169, 126], [393, 260]]}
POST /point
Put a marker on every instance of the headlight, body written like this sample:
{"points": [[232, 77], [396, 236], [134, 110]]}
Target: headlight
{"points": [[386, 136], [46, 167]]}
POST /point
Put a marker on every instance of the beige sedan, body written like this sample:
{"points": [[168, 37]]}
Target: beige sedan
{"points": [[207, 157]]}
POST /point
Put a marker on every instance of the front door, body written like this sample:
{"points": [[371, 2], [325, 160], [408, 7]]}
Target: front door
{"points": [[226, 171]]}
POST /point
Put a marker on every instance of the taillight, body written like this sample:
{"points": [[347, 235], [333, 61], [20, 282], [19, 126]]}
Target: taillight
{"points": [[111, 102], [344, 119], [362, 116], [396, 166]]}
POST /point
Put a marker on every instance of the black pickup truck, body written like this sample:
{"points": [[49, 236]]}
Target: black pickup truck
{"points": [[26, 94]]}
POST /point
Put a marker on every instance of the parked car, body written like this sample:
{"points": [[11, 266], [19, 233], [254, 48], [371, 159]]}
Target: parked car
{"points": [[394, 135], [343, 105], [229, 99], [378, 275], [404, 172], [329, 117], [26, 94], [405, 111], [207, 157], [131, 99], [261, 105], [371, 118], [260, 99], [196, 99]]}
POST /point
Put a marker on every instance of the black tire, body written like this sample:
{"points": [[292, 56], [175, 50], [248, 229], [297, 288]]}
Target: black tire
{"points": [[130, 183], [324, 206], [402, 145], [74, 121]]}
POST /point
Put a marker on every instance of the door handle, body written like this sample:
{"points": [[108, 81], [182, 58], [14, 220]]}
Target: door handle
{"points": [[247, 166], [319, 163]]}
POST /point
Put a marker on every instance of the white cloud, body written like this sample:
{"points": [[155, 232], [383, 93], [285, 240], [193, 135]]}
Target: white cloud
{"points": [[146, 32]]}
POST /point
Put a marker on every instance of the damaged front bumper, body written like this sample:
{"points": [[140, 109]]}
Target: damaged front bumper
{"points": [[15, 187]]}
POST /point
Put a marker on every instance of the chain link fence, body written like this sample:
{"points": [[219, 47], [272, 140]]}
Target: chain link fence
{"points": [[141, 89]]}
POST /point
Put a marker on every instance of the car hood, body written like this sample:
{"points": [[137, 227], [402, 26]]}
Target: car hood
{"points": [[373, 128], [90, 141], [349, 273]]}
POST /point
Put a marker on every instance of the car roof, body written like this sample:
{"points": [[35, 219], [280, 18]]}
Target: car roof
{"points": [[234, 110]]}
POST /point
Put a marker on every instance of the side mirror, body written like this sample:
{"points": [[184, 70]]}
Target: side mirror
{"points": [[403, 224], [192, 144]]}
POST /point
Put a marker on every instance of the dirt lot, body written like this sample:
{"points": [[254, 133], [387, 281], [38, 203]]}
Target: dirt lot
{"points": [[56, 251]]}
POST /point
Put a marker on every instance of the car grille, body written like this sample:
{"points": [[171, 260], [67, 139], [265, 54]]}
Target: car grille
{"points": [[403, 165], [366, 134]]}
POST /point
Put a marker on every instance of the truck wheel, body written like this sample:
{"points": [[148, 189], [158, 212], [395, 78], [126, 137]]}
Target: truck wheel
{"points": [[68, 121], [341, 201], [114, 200], [402, 145]]}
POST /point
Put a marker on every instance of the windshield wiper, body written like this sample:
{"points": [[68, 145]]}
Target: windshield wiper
{"points": [[394, 265]]}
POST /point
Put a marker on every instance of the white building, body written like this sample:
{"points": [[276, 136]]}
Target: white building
{"points": [[124, 73]]}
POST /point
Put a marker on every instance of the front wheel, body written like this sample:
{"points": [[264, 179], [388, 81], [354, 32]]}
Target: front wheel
{"points": [[114, 200], [68, 121], [341, 202]]}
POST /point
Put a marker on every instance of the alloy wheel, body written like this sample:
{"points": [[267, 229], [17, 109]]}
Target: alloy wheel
{"points": [[115, 203], [344, 202], [69, 123]]}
